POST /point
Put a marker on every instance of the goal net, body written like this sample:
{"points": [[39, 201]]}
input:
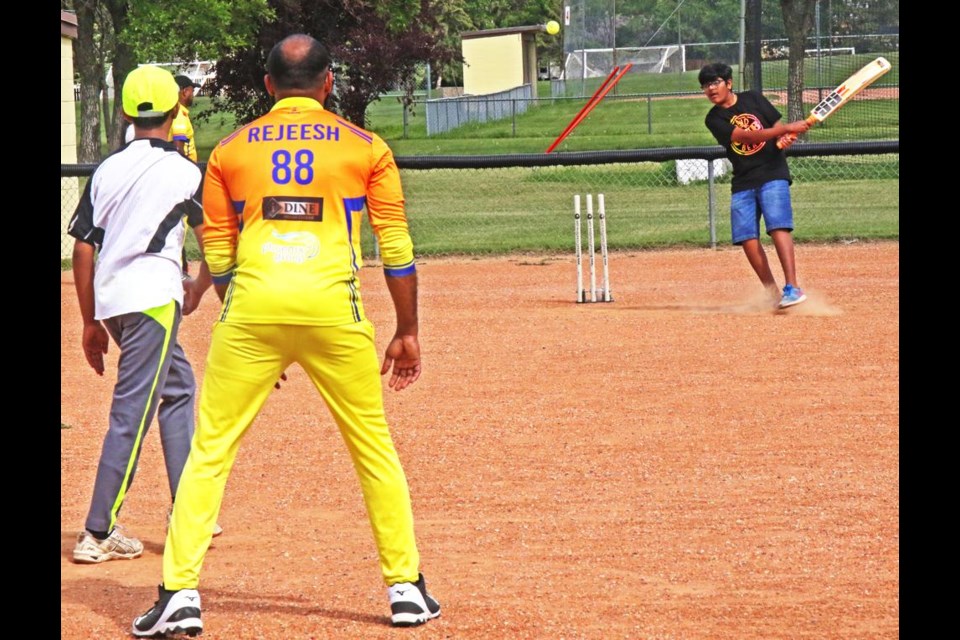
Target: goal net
{"points": [[598, 63]]}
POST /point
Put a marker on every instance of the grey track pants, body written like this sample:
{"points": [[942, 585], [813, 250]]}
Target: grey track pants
{"points": [[152, 370]]}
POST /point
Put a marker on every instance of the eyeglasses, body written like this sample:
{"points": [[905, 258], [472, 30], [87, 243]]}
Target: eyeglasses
{"points": [[712, 85]]}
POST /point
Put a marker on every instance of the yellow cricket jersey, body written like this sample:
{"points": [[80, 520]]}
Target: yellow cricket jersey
{"points": [[283, 199], [182, 130]]}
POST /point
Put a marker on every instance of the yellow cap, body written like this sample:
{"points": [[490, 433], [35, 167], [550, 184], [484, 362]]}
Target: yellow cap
{"points": [[149, 92]]}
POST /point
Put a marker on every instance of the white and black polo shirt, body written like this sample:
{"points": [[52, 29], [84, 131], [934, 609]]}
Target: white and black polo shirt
{"points": [[132, 210]]}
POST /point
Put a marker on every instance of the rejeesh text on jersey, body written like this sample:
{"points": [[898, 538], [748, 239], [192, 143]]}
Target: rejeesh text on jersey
{"points": [[305, 131]]}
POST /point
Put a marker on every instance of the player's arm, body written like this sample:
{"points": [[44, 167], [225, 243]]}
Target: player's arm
{"points": [[220, 228], [95, 339], [178, 133], [389, 222], [750, 136], [388, 219], [194, 288], [403, 352], [87, 235]]}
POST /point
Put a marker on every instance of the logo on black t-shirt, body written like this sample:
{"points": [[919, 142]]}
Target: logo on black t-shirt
{"points": [[749, 122]]}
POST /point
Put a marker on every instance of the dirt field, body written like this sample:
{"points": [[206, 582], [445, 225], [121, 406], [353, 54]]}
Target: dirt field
{"points": [[679, 464]]}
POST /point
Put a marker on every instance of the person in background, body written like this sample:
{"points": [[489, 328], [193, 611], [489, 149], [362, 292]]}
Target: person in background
{"points": [[182, 130]]}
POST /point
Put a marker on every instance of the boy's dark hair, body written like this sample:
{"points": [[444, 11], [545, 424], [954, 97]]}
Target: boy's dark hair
{"points": [[298, 62], [151, 123], [711, 72]]}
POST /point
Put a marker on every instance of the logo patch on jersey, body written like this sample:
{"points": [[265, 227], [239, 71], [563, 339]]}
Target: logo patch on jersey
{"points": [[295, 247], [749, 122], [302, 209]]}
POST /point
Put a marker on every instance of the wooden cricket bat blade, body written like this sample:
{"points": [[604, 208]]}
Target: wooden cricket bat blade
{"points": [[853, 85], [863, 78]]}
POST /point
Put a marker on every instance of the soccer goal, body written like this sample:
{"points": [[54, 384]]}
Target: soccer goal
{"points": [[833, 51], [598, 63]]}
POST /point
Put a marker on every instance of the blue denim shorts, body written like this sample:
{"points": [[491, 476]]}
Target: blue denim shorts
{"points": [[770, 200]]}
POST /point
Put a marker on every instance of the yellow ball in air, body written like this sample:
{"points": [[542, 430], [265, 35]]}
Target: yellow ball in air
{"points": [[553, 27]]}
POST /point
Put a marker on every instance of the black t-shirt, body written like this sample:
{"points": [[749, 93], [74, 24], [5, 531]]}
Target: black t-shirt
{"points": [[753, 164]]}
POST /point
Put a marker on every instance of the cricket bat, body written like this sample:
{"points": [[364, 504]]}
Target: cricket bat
{"points": [[853, 85]]}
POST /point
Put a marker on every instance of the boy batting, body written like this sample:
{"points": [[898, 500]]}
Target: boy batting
{"points": [[749, 128]]}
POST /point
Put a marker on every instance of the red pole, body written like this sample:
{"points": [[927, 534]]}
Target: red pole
{"points": [[585, 107], [599, 95]]}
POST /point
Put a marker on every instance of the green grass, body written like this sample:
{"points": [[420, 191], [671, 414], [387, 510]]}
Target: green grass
{"points": [[830, 71], [530, 209], [498, 211]]}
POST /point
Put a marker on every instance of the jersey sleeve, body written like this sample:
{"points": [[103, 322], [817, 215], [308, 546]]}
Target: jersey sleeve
{"points": [[221, 226], [767, 110], [178, 130], [81, 224], [387, 216], [721, 128]]}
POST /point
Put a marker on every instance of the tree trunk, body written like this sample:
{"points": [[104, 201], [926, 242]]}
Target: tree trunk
{"points": [[753, 35], [797, 21], [91, 75], [124, 61]]}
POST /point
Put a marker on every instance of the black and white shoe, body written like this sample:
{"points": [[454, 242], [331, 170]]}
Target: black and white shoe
{"points": [[174, 613], [411, 604]]}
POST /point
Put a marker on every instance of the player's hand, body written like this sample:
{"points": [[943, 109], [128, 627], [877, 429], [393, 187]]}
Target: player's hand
{"points": [[798, 127], [191, 296], [95, 343], [403, 355], [786, 140]]}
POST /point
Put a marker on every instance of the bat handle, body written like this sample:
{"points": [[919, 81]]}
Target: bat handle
{"points": [[792, 136], [787, 137]]}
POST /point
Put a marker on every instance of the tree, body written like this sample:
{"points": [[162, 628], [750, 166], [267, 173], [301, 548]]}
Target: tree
{"points": [[119, 34], [90, 68], [797, 20], [858, 17], [124, 61], [374, 45]]}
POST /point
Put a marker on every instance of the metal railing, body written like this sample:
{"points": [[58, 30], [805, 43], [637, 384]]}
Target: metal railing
{"points": [[446, 114]]}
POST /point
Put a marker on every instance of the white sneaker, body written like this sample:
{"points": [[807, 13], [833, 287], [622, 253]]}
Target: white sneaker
{"points": [[117, 546], [411, 604]]}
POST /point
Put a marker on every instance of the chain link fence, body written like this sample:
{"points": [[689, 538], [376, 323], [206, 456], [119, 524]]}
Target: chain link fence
{"points": [[875, 115], [490, 205]]}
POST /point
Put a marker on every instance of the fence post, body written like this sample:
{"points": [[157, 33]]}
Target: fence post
{"points": [[429, 82], [711, 216], [513, 115], [649, 114], [404, 120]]}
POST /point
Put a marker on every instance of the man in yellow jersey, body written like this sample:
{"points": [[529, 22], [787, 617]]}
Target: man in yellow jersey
{"points": [[295, 181], [181, 133]]}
